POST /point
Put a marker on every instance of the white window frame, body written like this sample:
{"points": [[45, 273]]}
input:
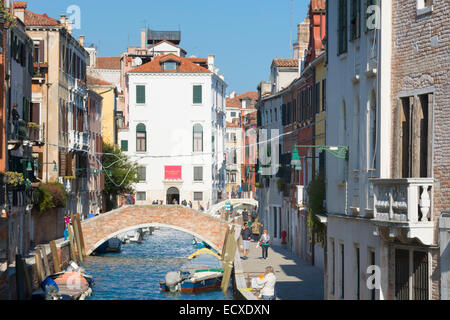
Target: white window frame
{"points": [[422, 8]]}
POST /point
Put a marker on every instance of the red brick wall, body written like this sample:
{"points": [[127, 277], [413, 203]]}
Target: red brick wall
{"points": [[417, 65]]}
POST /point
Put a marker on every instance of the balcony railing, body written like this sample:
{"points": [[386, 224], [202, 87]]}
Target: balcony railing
{"points": [[405, 203], [85, 141], [74, 139], [302, 196], [405, 200]]}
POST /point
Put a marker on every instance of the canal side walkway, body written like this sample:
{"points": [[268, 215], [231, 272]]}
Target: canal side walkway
{"points": [[296, 278]]}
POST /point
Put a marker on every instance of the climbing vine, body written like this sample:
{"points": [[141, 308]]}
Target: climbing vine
{"points": [[316, 194]]}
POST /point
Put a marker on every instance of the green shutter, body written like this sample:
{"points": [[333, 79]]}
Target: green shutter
{"points": [[124, 145], [342, 26], [140, 94], [197, 94]]}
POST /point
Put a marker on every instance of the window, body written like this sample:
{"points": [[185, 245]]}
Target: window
{"points": [[371, 15], [198, 173], [276, 114], [198, 196], [342, 26], [38, 51], [355, 19], [357, 273], [342, 272], [141, 196], [170, 66], [424, 7], [324, 94], [35, 113], [317, 97], [124, 145], [372, 131], [333, 266], [142, 174], [414, 116], [141, 138], [198, 138], [372, 263], [140, 94], [233, 114], [197, 94]]}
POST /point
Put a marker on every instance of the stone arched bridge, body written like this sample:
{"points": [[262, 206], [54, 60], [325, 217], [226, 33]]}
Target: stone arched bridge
{"points": [[103, 227]]}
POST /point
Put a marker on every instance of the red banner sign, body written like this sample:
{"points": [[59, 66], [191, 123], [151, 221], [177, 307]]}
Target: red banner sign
{"points": [[172, 172]]}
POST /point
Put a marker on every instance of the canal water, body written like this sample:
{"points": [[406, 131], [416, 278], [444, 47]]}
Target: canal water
{"points": [[135, 273]]}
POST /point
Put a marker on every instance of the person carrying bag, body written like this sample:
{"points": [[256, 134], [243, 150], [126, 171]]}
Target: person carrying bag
{"points": [[265, 243]]}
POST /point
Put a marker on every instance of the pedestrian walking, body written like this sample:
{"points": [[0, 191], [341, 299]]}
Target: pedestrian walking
{"points": [[268, 281], [265, 243], [190, 204], [246, 237], [255, 230]]}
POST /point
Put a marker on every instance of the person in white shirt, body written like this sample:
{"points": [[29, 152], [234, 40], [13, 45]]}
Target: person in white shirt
{"points": [[268, 282]]}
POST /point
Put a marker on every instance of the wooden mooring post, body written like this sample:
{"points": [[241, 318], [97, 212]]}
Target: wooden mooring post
{"points": [[73, 256], [55, 257], [228, 259], [38, 265], [80, 231], [77, 237]]}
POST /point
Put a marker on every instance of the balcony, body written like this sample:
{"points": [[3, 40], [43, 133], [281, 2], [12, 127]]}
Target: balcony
{"points": [[302, 196], [402, 209], [232, 167], [85, 141], [69, 185], [40, 70], [74, 140]]}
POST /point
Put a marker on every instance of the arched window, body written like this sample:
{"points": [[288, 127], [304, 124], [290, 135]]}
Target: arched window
{"points": [[141, 138], [198, 138]]}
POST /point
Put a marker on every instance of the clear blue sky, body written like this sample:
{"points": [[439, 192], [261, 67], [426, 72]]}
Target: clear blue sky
{"points": [[244, 35]]}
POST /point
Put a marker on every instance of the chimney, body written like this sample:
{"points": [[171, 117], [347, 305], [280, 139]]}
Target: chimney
{"points": [[222, 76], [19, 9], [233, 94], [63, 20], [69, 27], [143, 39], [302, 38], [211, 62], [82, 41]]}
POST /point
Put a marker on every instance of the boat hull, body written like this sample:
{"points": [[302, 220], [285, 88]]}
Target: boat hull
{"points": [[189, 286]]}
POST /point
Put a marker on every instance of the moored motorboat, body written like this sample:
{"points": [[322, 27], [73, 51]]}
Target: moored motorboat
{"points": [[203, 272]]}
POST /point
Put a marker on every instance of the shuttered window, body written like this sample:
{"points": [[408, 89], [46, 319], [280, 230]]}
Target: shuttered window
{"points": [[141, 138], [342, 26], [368, 13], [142, 174], [140, 94], [124, 145], [198, 173], [197, 94], [355, 19], [198, 138], [198, 196]]}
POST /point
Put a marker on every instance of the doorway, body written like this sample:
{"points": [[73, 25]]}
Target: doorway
{"points": [[173, 194]]}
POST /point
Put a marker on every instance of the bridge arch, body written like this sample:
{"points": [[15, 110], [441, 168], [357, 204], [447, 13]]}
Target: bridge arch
{"points": [[103, 227]]}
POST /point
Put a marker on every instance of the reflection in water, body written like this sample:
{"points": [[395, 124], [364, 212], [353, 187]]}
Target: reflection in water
{"points": [[134, 274]]}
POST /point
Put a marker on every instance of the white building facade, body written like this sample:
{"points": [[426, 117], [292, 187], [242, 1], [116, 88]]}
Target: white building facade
{"points": [[359, 111], [177, 130]]}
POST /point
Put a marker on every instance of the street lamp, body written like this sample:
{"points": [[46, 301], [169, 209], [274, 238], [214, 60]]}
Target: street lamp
{"points": [[340, 152], [295, 162]]}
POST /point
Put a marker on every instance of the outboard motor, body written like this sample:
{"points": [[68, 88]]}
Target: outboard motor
{"points": [[172, 279]]}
